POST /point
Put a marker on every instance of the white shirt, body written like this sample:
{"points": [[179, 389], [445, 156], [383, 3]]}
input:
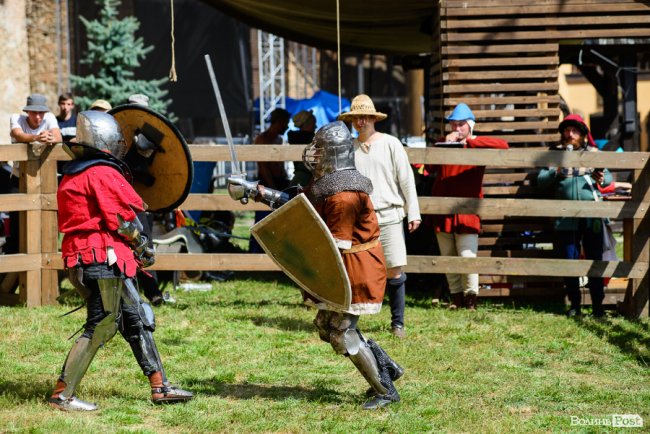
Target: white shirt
{"points": [[387, 165], [20, 121]]}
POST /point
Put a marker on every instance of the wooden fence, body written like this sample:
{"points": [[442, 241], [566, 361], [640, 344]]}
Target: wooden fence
{"points": [[39, 262]]}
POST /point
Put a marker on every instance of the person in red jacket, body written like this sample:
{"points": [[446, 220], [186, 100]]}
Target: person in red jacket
{"points": [[457, 234], [103, 246]]}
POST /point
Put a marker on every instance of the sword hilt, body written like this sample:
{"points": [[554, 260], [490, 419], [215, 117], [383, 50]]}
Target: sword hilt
{"points": [[242, 190]]}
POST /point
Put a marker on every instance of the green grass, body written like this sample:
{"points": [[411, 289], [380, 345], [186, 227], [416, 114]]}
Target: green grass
{"points": [[249, 352]]}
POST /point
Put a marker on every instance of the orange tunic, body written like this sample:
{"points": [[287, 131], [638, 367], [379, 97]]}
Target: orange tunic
{"points": [[349, 215]]}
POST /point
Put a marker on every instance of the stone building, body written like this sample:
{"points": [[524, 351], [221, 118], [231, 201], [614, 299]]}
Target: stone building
{"points": [[34, 55]]}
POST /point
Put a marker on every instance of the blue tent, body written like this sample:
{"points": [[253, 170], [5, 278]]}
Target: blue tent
{"points": [[324, 105]]}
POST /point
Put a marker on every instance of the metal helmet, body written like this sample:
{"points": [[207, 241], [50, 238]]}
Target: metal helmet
{"points": [[331, 150], [101, 131]]}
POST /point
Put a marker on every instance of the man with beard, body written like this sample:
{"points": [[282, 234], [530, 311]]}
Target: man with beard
{"points": [[576, 234]]}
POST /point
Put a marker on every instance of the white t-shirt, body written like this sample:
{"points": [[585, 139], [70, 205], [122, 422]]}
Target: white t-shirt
{"points": [[387, 165], [20, 121]]}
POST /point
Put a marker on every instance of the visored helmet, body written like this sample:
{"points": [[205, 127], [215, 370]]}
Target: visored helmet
{"points": [[98, 130], [331, 150]]}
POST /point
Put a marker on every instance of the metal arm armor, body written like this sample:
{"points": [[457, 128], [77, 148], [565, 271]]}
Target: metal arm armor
{"points": [[242, 190], [139, 242]]}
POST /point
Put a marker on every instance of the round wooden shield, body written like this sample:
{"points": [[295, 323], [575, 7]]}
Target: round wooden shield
{"points": [[158, 156]]}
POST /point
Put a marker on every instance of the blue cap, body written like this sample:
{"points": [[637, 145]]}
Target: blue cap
{"points": [[461, 113]]}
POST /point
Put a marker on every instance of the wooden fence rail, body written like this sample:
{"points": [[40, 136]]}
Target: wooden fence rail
{"points": [[39, 260]]}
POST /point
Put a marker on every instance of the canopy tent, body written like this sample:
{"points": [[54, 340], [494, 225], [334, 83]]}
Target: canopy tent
{"points": [[378, 26], [324, 106]]}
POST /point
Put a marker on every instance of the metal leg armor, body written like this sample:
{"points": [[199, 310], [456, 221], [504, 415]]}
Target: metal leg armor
{"points": [[137, 327], [339, 329], [84, 349]]}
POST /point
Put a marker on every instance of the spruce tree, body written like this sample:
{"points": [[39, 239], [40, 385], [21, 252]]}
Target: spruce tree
{"points": [[113, 53]]}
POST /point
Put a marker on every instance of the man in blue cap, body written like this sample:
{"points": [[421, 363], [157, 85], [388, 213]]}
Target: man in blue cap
{"points": [[457, 234]]}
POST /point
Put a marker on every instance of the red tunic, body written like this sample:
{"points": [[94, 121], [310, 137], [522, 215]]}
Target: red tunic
{"points": [[455, 180], [349, 215], [89, 203]]}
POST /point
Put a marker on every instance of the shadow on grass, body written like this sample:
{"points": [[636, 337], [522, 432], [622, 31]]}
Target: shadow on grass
{"points": [[252, 304], [21, 391], [276, 393], [630, 337], [293, 324], [280, 323]]}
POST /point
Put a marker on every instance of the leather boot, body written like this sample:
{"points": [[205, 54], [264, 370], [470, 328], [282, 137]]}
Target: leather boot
{"points": [[457, 300], [166, 393], [470, 301]]}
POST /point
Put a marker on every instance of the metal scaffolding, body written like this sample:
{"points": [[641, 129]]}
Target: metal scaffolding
{"points": [[270, 53]]}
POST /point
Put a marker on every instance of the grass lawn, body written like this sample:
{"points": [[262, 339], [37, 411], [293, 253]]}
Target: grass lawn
{"points": [[249, 352]]}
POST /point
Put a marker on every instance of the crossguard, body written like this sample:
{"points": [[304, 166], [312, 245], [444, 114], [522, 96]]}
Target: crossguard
{"points": [[242, 190]]}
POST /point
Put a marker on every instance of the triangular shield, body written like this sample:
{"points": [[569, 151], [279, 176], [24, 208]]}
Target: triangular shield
{"points": [[299, 242]]}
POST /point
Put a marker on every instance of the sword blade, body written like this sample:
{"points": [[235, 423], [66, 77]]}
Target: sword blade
{"points": [[235, 169]]}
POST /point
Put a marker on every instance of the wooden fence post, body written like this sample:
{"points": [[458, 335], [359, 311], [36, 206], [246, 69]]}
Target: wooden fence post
{"points": [[30, 229], [49, 230], [637, 294]]}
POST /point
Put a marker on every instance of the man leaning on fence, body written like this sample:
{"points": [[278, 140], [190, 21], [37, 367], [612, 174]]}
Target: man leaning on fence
{"points": [[576, 234], [39, 128]]}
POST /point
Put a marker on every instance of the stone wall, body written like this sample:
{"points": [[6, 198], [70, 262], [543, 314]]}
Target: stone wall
{"points": [[14, 62], [34, 58]]}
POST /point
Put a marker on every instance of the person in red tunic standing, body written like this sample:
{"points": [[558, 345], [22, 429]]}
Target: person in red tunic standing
{"points": [[103, 246], [457, 234]]}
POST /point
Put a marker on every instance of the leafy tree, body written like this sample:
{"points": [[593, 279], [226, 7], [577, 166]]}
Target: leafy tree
{"points": [[113, 53]]}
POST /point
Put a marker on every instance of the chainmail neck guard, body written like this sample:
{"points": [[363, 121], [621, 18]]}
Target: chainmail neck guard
{"points": [[336, 182]]}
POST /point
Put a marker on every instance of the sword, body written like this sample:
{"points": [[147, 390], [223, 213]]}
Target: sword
{"points": [[238, 188], [235, 168]]}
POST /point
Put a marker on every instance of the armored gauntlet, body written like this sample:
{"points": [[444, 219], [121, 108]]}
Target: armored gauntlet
{"points": [[142, 248]]}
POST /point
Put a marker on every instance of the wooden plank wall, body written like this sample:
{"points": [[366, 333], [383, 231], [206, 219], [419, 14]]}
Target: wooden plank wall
{"points": [[501, 57]]}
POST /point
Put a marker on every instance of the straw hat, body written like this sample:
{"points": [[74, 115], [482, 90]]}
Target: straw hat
{"points": [[101, 104], [362, 106]]}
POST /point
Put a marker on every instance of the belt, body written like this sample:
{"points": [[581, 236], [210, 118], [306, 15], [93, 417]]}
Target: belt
{"points": [[361, 247]]}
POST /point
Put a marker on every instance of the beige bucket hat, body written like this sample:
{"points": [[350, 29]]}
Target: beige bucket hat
{"points": [[362, 105], [101, 104]]}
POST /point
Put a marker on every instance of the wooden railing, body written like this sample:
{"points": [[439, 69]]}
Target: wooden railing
{"points": [[39, 263]]}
